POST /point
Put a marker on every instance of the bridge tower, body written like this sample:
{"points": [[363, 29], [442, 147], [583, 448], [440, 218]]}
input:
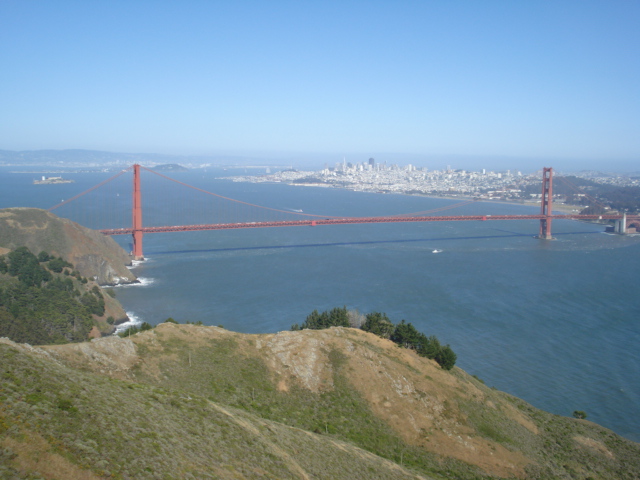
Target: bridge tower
{"points": [[546, 203], [137, 215]]}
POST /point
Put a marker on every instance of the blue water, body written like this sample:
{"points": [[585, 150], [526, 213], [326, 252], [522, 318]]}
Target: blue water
{"points": [[556, 323]]}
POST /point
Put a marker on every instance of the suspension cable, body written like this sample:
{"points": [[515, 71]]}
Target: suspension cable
{"points": [[90, 190], [239, 201]]}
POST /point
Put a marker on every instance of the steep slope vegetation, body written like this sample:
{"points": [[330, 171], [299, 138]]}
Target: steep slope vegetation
{"points": [[309, 392], [43, 299], [93, 254]]}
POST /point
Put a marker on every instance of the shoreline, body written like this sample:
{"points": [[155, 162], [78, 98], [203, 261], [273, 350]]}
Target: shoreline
{"points": [[565, 208]]}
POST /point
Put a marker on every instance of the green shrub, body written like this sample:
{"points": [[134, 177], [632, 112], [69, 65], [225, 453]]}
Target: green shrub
{"points": [[336, 317], [446, 358], [57, 264], [379, 324], [404, 334]]}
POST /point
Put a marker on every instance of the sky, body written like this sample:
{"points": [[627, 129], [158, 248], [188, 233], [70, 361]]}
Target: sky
{"points": [[538, 80]]}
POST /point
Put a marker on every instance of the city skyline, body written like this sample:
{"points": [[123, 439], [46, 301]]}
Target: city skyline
{"points": [[410, 82]]}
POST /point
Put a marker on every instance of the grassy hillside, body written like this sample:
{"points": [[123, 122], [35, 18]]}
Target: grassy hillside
{"points": [[59, 422], [186, 401]]}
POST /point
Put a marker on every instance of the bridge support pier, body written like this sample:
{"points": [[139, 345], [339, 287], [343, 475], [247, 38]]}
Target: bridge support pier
{"points": [[621, 225], [137, 215], [546, 203]]}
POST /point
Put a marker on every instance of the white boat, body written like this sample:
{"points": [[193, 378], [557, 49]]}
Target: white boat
{"points": [[437, 251]]}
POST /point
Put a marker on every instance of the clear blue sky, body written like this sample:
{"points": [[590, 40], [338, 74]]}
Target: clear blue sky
{"points": [[535, 79]]}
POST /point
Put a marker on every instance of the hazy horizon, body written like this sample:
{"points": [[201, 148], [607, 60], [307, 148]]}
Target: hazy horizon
{"points": [[505, 82], [432, 162]]}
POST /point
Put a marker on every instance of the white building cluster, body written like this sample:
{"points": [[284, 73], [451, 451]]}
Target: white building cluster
{"points": [[408, 179], [370, 176]]}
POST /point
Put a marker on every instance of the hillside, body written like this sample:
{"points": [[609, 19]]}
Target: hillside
{"points": [[50, 292], [187, 401], [93, 254], [170, 167], [45, 300]]}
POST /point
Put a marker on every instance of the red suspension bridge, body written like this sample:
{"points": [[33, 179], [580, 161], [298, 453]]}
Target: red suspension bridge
{"points": [[289, 218]]}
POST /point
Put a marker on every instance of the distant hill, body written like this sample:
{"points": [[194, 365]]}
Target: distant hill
{"points": [[203, 402], [72, 157], [170, 167], [79, 158]]}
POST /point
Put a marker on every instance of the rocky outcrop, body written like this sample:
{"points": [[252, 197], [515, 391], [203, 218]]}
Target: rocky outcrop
{"points": [[96, 256]]}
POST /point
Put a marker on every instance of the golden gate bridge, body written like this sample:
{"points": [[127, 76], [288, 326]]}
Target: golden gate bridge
{"points": [[275, 217]]}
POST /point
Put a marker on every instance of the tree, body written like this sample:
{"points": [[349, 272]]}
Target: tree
{"points": [[379, 324], [339, 317], [336, 317], [579, 414], [405, 334], [94, 305], [56, 264], [24, 265], [446, 358], [312, 321], [429, 346]]}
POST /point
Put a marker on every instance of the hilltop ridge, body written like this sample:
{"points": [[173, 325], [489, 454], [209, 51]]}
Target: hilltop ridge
{"points": [[204, 402]]}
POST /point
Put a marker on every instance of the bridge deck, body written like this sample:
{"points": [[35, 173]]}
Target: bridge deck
{"points": [[354, 220]]}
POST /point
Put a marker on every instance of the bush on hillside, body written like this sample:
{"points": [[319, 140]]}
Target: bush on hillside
{"points": [[404, 334], [337, 317], [379, 324]]}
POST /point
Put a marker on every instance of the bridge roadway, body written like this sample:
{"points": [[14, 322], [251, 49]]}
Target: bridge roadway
{"points": [[355, 220]]}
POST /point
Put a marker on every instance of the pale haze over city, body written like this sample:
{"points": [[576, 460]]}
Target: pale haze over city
{"points": [[488, 84]]}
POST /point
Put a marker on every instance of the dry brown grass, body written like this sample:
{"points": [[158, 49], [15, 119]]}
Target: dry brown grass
{"points": [[33, 456]]}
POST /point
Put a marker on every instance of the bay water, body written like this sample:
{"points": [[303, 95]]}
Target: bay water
{"points": [[556, 323]]}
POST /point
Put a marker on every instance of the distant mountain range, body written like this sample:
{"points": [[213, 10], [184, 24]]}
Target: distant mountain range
{"points": [[85, 158]]}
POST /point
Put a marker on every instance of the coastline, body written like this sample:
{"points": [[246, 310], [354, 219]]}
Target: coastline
{"points": [[564, 208]]}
